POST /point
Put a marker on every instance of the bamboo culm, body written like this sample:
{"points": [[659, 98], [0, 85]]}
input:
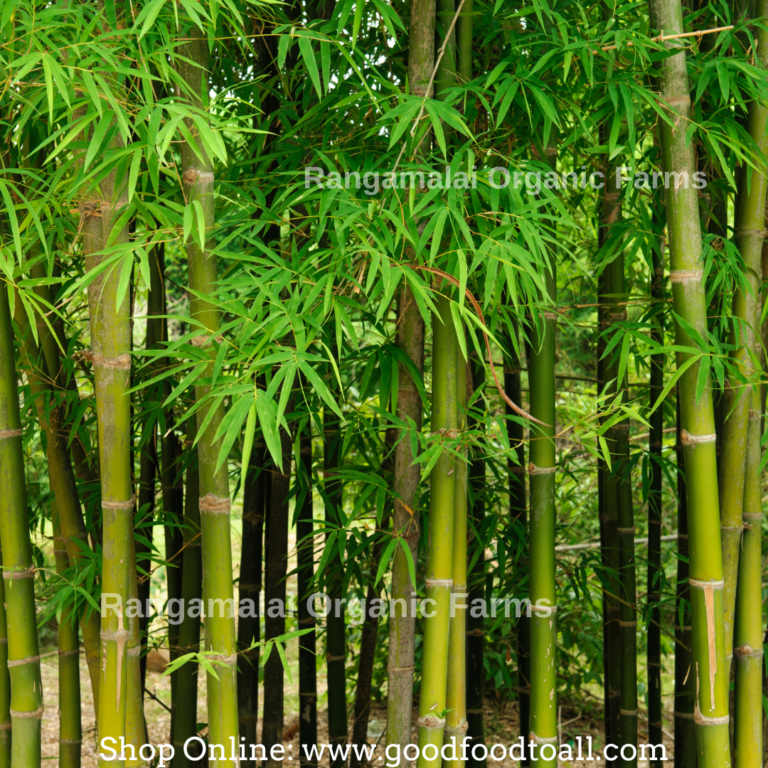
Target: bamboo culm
{"points": [[68, 642], [198, 179], [305, 578], [276, 545], [710, 668], [249, 629], [456, 692], [541, 474], [410, 339], [654, 510], [26, 702], [185, 715], [439, 569]]}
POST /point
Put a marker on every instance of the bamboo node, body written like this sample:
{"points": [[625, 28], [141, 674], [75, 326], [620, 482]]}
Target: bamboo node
{"points": [[399, 669], [459, 730], [330, 657], [134, 652], [6, 434], [753, 515], [700, 719], [685, 275], [216, 505], [746, 650], [754, 414], [36, 715], [70, 741], [688, 439], [750, 232], [119, 505], [534, 470], [551, 315], [625, 530], [628, 712], [706, 584], [28, 574], [617, 317], [75, 652], [534, 739], [120, 634], [225, 659], [431, 722], [122, 363], [22, 662], [438, 583], [627, 623], [518, 470]]}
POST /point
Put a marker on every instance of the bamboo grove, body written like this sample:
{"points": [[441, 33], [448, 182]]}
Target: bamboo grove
{"points": [[420, 344]]}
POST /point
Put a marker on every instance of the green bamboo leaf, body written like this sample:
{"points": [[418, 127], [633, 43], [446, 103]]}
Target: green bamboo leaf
{"points": [[384, 560], [305, 46]]}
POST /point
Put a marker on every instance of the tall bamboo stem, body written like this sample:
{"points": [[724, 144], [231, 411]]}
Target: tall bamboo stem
{"points": [[750, 219], [185, 715], [5, 685], [456, 693], [276, 568], [215, 503], [410, 339], [70, 729], [541, 474], [685, 734], [249, 629], [697, 415], [26, 705], [306, 573], [655, 437], [439, 579]]}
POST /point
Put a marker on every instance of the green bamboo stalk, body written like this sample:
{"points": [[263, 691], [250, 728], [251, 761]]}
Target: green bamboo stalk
{"points": [[456, 692], [249, 587], [625, 530], [215, 503], [5, 685], [110, 352], [70, 729], [439, 570], [135, 728], [697, 415], [336, 646], [685, 734], [409, 339], [405, 518], [750, 220], [305, 578], [655, 439], [475, 622], [610, 285], [276, 545], [541, 474], [26, 705], [63, 483], [748, 636], [185, 716]]}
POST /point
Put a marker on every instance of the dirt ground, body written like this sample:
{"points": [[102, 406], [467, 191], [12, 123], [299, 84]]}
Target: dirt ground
{"points": [[501, 720]]}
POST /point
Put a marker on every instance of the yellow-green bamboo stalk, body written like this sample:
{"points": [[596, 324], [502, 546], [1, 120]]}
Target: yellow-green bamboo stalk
{"points": [[748, 635], [26, 706], [62, 479], [541, 474], [456, 694], [135, 729], [214, 486], [710, 668], [70, 729], [439, 578], [5, 685], [750, 220]]}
